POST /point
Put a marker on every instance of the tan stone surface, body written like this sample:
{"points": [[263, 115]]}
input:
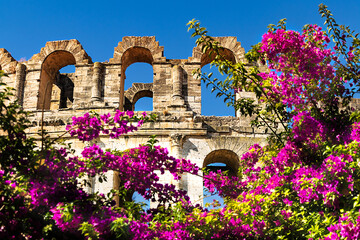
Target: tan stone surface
{"points": [[176, 95]]}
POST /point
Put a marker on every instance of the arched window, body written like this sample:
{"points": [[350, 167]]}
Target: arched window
{"points": [[138, 72], [223, 160], [135, 70], [142, 99], [56, 88], [210, 104]]}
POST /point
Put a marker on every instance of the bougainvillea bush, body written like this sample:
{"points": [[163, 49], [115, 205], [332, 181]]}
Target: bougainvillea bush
{"points": [[42, 190], [304, 184]]}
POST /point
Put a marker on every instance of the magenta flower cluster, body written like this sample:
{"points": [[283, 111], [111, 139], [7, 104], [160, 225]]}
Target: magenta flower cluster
{"points": [[302, 72], [89, 126], [55, 188], [137, 168]]}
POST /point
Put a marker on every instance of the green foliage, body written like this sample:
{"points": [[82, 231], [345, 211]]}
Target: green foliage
{"points": [[88, 231], [152, 141], [347, 44], [308, 219], [120, 228], [242, 76], [13, 122]]}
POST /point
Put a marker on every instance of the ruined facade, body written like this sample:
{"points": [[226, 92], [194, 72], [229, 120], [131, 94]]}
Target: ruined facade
{"points": [[99, 86]]}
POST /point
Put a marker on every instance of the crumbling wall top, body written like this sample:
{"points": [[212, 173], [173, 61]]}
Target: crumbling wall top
{"points": [[7, 62], [232, 50], [72, 46], [148, 43]]}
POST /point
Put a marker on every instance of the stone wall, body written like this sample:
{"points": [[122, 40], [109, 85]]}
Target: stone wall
{"points": [[99, 86]]}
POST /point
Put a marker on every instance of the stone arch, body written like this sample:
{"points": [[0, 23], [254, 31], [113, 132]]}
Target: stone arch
{"points": [[208, 58], [50, 76], [7, 62], [139, 43], [139, 95], [137, 91], [51, 58], [72, 46], [232, 51], [237, 144], [223, 160], [135, 55], [54, 56], [135, 49], [225, 156]]}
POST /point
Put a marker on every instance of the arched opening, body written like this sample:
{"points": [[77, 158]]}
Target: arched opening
{"points": [[136, 74], [56, 89], [135, 68], [224, 156], [143, 101], [210, 104], [223, 160]]}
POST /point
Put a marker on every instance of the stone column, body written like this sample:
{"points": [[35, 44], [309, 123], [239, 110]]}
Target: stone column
{"points": [[122, 89], [176, 141], [177, 75], [96, 83], [92, 180], [20, 82]]}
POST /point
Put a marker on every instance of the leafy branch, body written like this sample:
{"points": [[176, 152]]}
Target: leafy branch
{"points": [[240, 77]]}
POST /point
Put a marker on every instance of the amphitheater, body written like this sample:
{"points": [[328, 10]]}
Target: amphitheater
{"points": [[99, 86]]}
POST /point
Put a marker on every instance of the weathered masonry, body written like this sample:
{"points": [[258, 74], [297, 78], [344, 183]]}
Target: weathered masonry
{"points": [[99, 86]]}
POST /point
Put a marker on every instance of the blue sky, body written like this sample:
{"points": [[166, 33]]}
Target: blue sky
{"points": [[99, 25]]}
